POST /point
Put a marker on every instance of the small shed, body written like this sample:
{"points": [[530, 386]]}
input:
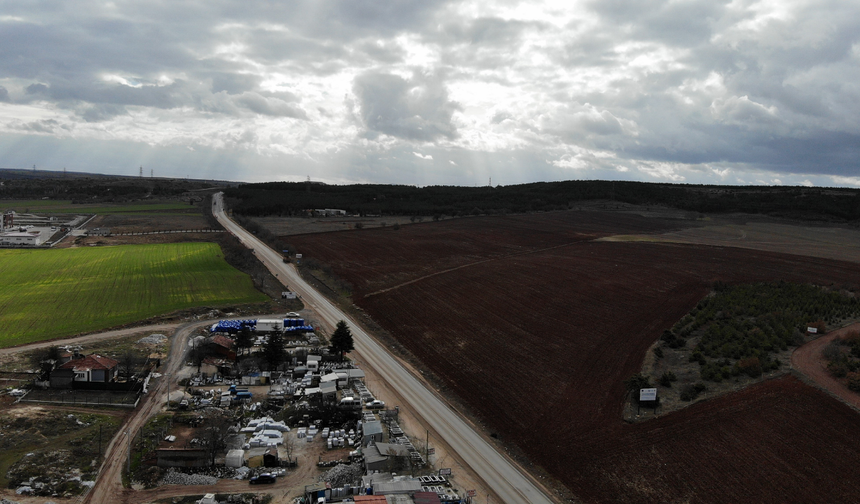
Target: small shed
{"points": [[255, 457], [208, 499], [371, 432], [271, 457], [235, 458], [328, 391]]}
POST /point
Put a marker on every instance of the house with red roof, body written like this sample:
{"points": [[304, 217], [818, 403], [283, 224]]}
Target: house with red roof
{"points": [[92, 368]]}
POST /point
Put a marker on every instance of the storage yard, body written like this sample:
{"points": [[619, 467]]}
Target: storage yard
{"points": [[467, 274], [311, 422]]}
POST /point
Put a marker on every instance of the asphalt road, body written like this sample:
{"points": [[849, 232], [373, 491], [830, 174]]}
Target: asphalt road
{"points": [[498, 472]]}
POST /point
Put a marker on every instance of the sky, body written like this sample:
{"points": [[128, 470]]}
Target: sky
{"points": [[435, 92]]}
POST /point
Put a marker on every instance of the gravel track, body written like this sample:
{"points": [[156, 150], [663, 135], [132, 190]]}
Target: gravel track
{"points": [[809, 360]]}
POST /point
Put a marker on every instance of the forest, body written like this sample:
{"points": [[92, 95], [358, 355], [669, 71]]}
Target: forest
{"points": [[296, 198]]}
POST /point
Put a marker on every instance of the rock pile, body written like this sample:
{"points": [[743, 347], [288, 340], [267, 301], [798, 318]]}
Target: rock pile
{"points": [[152, 339], [343, 474], [178, 478]]}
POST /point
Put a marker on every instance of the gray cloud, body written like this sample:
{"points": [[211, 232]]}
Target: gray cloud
{"points": [[417, 109], [49, 126], [595, 90]]}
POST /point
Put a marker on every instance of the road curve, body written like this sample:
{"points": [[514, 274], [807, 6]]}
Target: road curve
{"points": [[497, 471], [808, 359]]}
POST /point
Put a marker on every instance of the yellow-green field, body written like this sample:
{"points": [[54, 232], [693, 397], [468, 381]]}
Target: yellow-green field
{"points": [[61, 292]]}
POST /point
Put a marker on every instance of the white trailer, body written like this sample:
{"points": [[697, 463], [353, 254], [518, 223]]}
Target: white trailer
{"points": [[270, 325]]}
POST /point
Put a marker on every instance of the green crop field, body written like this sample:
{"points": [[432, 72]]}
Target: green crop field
{"points": [[61, 292]]}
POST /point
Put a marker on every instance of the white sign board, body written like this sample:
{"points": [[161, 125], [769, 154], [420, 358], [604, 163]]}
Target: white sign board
{"points": [[648, 394], [298, 256], [812, 330], [471, 493], [445, 471]]}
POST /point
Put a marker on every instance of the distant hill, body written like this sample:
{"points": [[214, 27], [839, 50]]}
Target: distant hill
{"points": [[94, 187], [295, 198]]}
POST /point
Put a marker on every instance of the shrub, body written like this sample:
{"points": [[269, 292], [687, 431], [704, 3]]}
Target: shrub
{"points": [[658, 352], [838, 369], [854, 381], [667, 379], [691, 392], [636, 382], [750, 366]]}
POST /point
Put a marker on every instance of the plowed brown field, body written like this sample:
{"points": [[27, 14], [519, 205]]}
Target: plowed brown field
{"points": [[537, 327]]}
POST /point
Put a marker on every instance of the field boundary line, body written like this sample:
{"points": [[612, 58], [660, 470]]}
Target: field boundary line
{"points": [[437, 273]]}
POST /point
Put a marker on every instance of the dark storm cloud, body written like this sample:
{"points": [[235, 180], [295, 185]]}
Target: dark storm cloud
{"points": [[417, 109]]}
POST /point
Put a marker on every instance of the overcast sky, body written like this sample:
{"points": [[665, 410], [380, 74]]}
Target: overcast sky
{"points": [[435, 92]]}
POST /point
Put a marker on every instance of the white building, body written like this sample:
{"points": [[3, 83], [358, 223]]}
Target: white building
{"points": [[21, 238]]}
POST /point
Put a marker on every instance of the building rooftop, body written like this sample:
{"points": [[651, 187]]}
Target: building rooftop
{"points": [[92, 361]]}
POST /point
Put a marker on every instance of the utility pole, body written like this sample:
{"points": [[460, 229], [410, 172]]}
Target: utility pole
{"points": [[141, 171], [128, 458]]}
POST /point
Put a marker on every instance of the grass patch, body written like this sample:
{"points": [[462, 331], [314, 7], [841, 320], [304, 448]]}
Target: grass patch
{"points": [[62, 292]]}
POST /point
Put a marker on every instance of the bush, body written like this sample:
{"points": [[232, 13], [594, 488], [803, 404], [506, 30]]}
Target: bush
{"points": [[697, 356], [667, 379], [658, 352], [854, 381], [838, 369], [691, 392], [750, 366], [636, 382]]}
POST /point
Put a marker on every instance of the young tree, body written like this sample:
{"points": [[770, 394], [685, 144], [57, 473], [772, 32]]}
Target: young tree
{"points": [[274, 351], [200, 350], [244, 341], [341, 340], [46, 359], [128, 363]]}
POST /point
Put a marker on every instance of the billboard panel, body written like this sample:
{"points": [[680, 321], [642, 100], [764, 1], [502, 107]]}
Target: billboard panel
{"points": [[648, 394]]}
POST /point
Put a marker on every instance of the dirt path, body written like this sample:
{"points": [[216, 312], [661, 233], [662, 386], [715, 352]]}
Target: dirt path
{"points": [[108, 488], [89, 338], [808, 359]]}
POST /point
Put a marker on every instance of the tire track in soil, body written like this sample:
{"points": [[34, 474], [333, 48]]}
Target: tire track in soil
{"points": [[469, 265]]}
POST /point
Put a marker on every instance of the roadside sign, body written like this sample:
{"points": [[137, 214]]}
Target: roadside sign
{"points": [[431, 451], [812, 330], [471, 493], [648, 394], [445, 471], [298, 256]]}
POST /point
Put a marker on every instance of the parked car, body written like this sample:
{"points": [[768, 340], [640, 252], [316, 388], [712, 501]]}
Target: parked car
{"points": [[375, 404], [262, 478]]}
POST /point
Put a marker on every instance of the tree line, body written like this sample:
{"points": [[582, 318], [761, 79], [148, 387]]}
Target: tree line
{"points": [[295, 198]]}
